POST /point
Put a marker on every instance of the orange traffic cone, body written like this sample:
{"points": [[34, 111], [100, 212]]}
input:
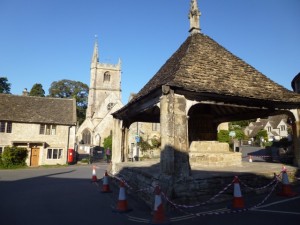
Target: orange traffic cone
{"points": [[250, 158], [158, 214], [286, 187], [122, 205], [238, 200], [94, 177], [105, 186]]}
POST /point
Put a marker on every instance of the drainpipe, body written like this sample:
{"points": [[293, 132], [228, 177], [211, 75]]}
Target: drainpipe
{"points": [[68, 143]]}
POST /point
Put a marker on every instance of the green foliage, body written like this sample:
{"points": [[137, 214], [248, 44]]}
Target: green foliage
{"points": [[239, 134], [107, 143], [155, 142], [4, 85], [72, 89], [223, 136], [37, 90], [14, 157], [241, 123], [262, 134], [144, 145]]}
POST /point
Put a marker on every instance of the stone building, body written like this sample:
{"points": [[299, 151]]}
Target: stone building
{"points": [[275, 126], [45, 126], [198, 88], [104, 98]]}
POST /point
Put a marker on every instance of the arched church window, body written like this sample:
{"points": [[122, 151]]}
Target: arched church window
{"points": [[107, 76], [86, 137], [110, 106]]}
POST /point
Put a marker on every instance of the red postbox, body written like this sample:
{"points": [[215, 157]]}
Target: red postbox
{"points": [[71, 156]]}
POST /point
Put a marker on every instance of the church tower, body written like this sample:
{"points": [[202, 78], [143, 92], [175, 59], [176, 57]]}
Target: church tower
{"points": [[104, 99], [105, 86]]}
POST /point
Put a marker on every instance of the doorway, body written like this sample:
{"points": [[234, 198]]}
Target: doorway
{"points": [[34, 159]]}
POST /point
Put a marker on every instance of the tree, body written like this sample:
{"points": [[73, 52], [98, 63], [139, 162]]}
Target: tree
{"points": [[72, 89], [107, 143], [37, 90], [4, 85], [262, 134]]}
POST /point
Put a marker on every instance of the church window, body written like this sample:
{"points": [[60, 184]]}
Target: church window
{"points": [[106, 76], [86, 137], [110, 106]]}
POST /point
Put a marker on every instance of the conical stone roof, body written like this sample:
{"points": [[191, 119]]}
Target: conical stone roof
{"points": [[202, 65], [201, 69]]}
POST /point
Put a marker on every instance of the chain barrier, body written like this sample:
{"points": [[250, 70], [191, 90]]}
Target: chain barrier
{"points": [[182, 208], [259, 188], [199, 204]]}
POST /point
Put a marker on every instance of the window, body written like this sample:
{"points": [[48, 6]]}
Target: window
{"points": [[269, 128], [86, 137], [54, 153], [106, 76], [5, 127], [48, 129], [2, 126], [282, 127], [8, 127]]}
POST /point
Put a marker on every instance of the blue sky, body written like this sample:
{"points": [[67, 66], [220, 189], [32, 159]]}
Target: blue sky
{"points": [[42, 41]]}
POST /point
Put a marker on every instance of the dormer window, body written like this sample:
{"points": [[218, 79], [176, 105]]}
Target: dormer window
{"points": [[106, 76]]}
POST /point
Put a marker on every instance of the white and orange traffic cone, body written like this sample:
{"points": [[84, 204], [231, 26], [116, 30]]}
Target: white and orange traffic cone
{"points": [[105, 184], [286, 187], [159, 214], [94, 176], [122, 204], [238, 200], [250, 158]]}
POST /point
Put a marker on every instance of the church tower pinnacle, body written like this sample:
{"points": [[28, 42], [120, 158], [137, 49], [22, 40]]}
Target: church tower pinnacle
{"points": [[95, 57], [194, 16]]}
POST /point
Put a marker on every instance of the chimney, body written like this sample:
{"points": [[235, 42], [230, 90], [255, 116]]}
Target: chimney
{"points": [[25, 92]]}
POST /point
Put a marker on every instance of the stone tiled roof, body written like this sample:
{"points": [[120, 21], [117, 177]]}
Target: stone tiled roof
{"points": [[29, 109], [201, 65]]}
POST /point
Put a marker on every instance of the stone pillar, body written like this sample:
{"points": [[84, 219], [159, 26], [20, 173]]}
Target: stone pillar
{"points": [[174, 141], [182, 165], [125, 132], [296, 137], [116, 144], [167, 131]]}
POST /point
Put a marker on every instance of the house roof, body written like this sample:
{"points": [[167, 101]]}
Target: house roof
{"points": [[29, 109], [202, 66]]}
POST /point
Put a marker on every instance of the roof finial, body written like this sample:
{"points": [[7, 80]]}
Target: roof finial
{"points": [[194, 16], [95, 57]]}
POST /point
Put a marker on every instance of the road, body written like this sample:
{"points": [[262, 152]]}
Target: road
{"points": [[66, 196]]}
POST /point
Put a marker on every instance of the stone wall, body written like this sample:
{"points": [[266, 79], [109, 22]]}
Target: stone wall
{"points": [[199, 187], [213, 153]]}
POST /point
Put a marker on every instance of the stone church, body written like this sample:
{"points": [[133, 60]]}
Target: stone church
{"points": [[104, 98]]}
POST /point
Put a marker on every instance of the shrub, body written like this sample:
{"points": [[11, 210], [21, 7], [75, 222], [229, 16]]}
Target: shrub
{"points": [[223, 136], [144, 145], [155, 142], [14, 157]]}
